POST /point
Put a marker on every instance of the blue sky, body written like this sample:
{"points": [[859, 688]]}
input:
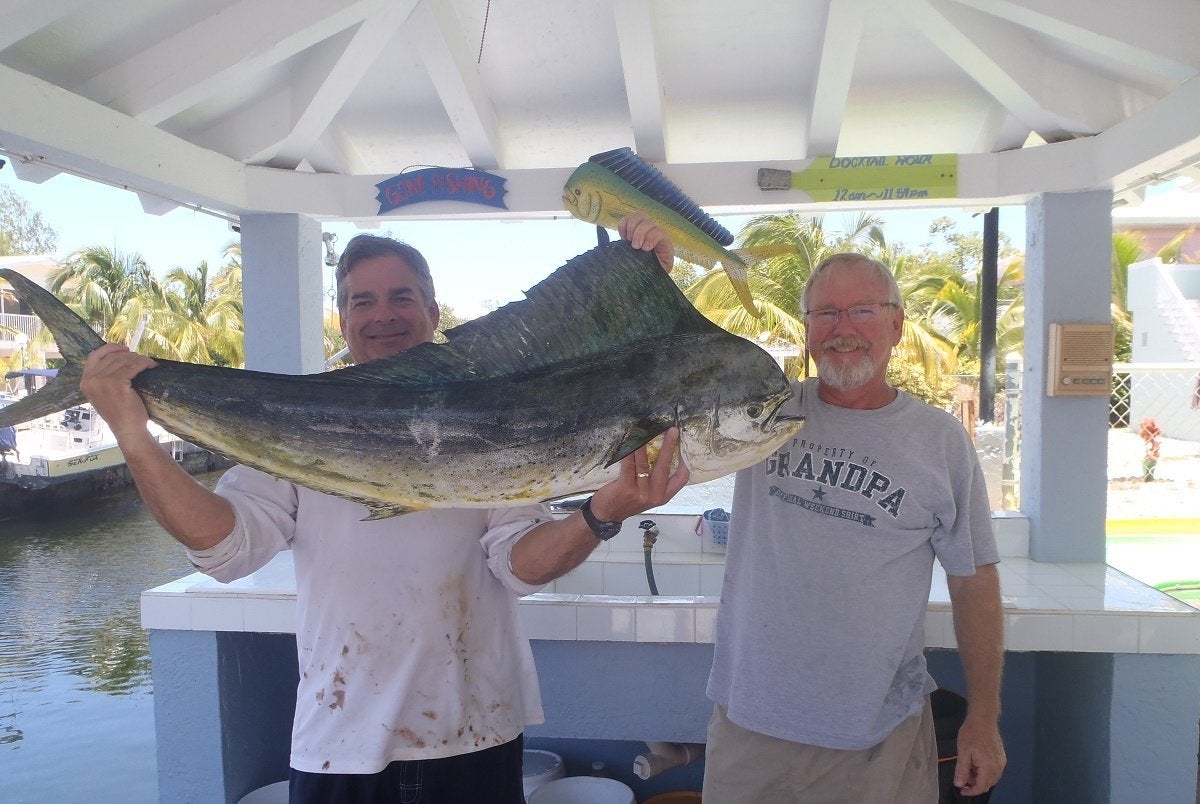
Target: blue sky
{"points": [[476, 265]]}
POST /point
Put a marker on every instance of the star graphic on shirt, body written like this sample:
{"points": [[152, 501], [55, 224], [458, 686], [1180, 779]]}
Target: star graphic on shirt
{"points": [[818, 494]]}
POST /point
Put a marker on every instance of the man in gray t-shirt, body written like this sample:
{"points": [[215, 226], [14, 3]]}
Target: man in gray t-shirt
{"points": [[819, 673]]}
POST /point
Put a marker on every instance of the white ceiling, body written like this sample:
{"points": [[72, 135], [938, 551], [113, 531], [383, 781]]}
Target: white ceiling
{"points": [[303, 105]]}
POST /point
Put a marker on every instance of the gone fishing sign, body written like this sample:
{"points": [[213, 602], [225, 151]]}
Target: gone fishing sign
{"points": [[441, 184]]}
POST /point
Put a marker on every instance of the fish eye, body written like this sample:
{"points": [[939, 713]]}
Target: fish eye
{"points": [[754, 411], [578, 191]]}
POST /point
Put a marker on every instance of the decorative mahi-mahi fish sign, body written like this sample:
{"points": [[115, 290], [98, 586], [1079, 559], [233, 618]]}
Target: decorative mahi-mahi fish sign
{"points": [[441, 184]]}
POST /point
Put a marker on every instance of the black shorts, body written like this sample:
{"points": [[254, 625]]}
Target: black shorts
{"points": [[491, 776]]}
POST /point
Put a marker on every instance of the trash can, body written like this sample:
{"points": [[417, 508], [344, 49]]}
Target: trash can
{"points": [[539, 767], [949, 712], [276, 793], [583, 790]]}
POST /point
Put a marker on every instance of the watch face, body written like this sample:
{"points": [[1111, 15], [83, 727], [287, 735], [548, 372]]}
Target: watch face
{"points": [[603, 530], [608, 529]]}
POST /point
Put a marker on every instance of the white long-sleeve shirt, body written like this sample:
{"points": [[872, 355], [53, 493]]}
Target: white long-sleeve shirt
{"points": [[409, 641]]}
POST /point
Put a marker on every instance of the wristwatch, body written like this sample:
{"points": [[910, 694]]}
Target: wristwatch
{"points": [[603, 530]]}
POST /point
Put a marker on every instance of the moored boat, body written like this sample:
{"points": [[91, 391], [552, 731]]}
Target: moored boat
{"points": [[72, 456]]}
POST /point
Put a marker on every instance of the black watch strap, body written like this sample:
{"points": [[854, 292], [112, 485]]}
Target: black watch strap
{"points": [[603, 530]]}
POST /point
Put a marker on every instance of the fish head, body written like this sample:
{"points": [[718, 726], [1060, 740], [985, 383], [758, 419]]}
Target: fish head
{"points": [[582, 194], [742, 423]]}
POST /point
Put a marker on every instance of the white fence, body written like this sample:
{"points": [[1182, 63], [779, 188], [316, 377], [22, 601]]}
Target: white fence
{"points": [[1168, 393]]}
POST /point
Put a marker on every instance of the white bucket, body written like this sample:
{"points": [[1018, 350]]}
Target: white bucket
{"points": [[271, 794], [539, 767], [583, 790]]}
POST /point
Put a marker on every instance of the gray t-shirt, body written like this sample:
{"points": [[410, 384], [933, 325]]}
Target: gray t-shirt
{"points": [[821, 632]]}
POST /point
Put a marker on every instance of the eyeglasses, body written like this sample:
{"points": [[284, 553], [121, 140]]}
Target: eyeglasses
{"points": [[858, 314]]}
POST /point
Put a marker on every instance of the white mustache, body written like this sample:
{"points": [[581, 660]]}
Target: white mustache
{"points": [[846, 343]]}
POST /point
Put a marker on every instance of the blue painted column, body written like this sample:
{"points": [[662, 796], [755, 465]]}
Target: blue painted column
{"points": [[1154, 727], [1064, 441], [282, 258], [187, 716], [223, 705]]}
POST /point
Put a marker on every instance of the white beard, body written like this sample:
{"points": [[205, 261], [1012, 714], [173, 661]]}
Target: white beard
{"points": [[846, 376]]}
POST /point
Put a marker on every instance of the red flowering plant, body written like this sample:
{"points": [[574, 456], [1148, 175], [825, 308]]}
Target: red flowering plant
{"points": [[1149, 430]]}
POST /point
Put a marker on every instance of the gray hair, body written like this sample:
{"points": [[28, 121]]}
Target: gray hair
{"points": [[365, 246], [851, 258]]}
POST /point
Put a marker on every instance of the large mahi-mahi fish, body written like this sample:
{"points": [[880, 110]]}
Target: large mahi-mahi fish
{"points": [[532, 402]]}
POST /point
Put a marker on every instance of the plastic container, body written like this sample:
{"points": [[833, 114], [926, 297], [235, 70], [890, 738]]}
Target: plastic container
{"points": [[583, 790], [539, 767], [276, 793], [716, 523]]}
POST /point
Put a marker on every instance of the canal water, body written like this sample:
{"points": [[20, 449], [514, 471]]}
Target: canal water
{"points": [[76, 705], [76, 709]]}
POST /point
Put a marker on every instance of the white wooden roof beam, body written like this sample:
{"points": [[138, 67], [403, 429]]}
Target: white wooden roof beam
{"points": [[331, 154], [1159, 38], [321, 89], [831, 85], [1159, 140], [1002, 60], [435, 33], [23, 18], [31, 171], [636, 40], [45, 124], [218, 52], [253, 130]]}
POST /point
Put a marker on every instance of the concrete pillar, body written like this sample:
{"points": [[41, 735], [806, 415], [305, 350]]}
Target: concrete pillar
{"points": [[282, 258], [1064, 442], [191, 763], [1153, 727]]}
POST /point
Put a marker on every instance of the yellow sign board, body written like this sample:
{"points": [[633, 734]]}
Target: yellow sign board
{"points": [[869, 178]]}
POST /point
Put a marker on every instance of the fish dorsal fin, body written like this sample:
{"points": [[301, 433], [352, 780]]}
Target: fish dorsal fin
{"points": [[606, 298], [632, 169], [421, 365], [611, 296]]}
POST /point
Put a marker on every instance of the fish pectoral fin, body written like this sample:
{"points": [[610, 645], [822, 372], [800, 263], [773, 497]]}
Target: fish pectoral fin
{"points": [[384, 511], [637, 436]]}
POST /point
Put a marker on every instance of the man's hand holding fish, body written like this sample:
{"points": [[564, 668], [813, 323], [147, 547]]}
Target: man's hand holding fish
{"points": [[408, 489]]}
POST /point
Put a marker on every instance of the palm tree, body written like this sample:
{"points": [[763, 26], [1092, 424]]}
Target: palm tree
{"points": [[790, 247], [112, 291], [203, 322], [925, 339]]}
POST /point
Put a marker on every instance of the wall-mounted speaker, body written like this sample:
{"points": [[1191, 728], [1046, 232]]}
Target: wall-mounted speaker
{"points": [[1080, 360]]}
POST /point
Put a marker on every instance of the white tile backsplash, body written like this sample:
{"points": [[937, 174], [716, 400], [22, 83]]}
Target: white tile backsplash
{"points": [[662, 622], [1048, 606], [607, 623]]}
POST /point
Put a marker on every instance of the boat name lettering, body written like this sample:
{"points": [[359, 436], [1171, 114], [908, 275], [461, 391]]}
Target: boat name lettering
{"points": [[82, 459]]}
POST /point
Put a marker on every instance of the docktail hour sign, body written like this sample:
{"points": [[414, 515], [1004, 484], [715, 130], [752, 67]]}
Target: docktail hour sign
{"points": [[868, 178]]}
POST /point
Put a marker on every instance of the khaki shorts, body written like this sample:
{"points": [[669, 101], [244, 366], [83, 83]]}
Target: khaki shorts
{"points": [[744, 767]]}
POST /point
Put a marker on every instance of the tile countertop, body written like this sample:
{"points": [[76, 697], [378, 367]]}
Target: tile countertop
{"points": [[1048, 607]]}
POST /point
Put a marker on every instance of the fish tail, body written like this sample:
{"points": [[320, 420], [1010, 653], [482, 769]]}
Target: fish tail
{"points": [[75, 340], [739, 275]]}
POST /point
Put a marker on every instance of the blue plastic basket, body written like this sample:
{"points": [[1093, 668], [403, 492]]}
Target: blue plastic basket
{"points": [[716, 522]]}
